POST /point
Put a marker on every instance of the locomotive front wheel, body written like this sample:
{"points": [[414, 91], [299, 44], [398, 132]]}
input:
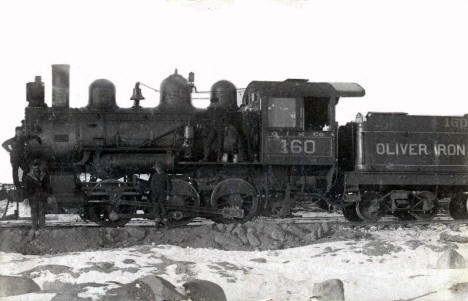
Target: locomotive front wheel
{"points": [[234, 195], [369, 208], [424, 205], [458, 206]]}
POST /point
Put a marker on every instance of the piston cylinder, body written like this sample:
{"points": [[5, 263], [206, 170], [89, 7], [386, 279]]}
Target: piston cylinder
{"points": [[60, 86]]}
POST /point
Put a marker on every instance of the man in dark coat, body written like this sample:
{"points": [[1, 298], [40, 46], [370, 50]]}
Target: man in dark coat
{"points": [[15, 146], [37, 188], [213, 131], [160, 186]]}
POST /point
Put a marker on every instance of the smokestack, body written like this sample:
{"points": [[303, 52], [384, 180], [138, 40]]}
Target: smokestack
{"points": [[60, 86]]}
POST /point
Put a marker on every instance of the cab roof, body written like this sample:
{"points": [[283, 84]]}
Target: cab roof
{"points": [[302, 87]]}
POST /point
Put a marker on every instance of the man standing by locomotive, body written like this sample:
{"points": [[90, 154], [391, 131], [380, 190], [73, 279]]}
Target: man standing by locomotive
{"points": [[160, 186], [38, 189], [15, 146], [214, 130]]}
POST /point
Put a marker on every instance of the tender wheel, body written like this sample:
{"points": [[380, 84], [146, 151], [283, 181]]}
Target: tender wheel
{"points": [[369, 208], [183, 204], [233, 196], [458, 206], [349, 212], [424, 205]]}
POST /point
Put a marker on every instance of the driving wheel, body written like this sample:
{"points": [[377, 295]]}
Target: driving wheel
{"points": [[235, 199]]}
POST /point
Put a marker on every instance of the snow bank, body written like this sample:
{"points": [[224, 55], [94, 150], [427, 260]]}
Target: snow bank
{"points": [[403, 269]]}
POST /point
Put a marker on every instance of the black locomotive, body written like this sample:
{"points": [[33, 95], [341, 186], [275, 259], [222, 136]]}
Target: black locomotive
{"points": [[280, 147]]}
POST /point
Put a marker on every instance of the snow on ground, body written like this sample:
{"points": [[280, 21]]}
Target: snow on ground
{"points": [[25, 211], [23, 208], [395, 265]]}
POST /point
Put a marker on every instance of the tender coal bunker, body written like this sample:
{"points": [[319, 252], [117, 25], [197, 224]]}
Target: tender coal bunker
{"points": [[315, 113]]}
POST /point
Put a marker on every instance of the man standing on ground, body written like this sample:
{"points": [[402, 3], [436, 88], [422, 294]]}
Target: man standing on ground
{"points": [[160, 185], [15, 146], [38, 189]]}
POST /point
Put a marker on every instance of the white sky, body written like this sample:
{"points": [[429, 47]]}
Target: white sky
{"points": [[410, 56]]}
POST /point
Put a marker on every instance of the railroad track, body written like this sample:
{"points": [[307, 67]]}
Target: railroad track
{"points": [[55, 222], [338, 220]]}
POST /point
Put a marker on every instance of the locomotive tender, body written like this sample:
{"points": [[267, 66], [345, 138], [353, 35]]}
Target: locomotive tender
{"points": [[403, 164], [284, 140]]}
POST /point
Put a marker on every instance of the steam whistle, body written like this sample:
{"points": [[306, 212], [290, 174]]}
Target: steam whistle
{"points": [[137, 96], [191, 80]]}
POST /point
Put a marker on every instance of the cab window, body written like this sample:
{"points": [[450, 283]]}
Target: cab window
{"points": [[316, 114], [282, 112]]}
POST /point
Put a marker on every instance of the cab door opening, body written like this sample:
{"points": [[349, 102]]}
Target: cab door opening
{"points": [[316, 114]]}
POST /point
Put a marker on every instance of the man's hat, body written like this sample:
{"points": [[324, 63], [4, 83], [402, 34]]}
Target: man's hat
{"points": [[36, 162]]}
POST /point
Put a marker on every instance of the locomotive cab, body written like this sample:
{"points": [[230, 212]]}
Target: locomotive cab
{"points": [[297, 140], [298, 119]]}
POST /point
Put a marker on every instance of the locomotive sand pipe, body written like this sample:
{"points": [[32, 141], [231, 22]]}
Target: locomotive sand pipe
{"points": [[60, 86]]}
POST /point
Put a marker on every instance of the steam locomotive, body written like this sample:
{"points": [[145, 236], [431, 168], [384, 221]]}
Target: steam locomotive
{"points": [[281, 147]]}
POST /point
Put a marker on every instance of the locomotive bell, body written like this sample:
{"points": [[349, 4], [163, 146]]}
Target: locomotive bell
{"points": [[137, 95]]}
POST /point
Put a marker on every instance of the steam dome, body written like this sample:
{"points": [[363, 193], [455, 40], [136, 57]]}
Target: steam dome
{"points": [[176, 93], [102, 95]]}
